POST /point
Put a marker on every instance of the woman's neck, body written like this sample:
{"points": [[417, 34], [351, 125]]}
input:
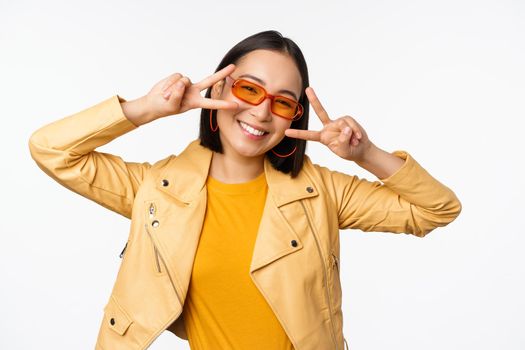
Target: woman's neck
{"points": [[235, 169]]}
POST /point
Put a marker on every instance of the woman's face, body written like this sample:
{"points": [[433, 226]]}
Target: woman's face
{"points": [[276, 72]]}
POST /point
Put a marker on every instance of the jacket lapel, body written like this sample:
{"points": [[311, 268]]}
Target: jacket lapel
{"points": [[187, 174], [277, 235]]}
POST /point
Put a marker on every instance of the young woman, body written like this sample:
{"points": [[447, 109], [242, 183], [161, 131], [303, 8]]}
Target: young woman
{"points": [[234, 242]]}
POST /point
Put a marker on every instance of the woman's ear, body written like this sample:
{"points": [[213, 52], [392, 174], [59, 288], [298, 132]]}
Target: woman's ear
{"points": [[216, 89]]}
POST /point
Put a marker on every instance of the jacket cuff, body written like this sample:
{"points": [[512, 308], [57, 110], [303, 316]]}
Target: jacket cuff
{"points": [[81, 132], [101, 123], [417, 185]]}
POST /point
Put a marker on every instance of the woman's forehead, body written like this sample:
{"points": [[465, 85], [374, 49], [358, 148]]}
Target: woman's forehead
{"points": [[271, 69]]}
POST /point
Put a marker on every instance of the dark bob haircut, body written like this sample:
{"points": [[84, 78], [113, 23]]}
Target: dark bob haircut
{"points": [[269, 40]]}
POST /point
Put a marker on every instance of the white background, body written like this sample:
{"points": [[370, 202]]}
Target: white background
{"points": [[443, 80]]}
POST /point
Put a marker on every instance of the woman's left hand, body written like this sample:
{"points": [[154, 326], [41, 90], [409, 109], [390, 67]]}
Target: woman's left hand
{"points": [[344, 136]]}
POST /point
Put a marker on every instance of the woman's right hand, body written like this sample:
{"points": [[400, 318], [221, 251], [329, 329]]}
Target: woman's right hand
{"points": [[176, 94]]}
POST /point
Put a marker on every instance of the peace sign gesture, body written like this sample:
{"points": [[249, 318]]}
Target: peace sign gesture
{"points": [[344, 136], [176, 94]]}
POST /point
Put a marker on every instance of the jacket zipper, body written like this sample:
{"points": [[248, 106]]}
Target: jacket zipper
{"points": [[335, 263], [151, 210], [123, 250], [159, 256], [157, 259], [325, 276]]}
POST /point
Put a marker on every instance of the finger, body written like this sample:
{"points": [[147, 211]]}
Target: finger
{"points": [[354, 125], [316, 104], [210, 103], [184, 81], [176, 88], [345, 135], [175, 93], [303, 134], [170, 80], [343, 123], [217, 76]]}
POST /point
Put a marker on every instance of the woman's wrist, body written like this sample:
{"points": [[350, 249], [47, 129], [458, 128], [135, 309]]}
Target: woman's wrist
{"points": [[136, 111], [380, 163]]}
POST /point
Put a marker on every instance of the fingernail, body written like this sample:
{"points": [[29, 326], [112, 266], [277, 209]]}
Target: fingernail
{"points": [[179, 84], [167, 94], [347, 130]]}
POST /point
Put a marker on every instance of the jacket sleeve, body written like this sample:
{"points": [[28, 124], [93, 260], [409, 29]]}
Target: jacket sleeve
{"points": [[409, 201], [65, 150]]}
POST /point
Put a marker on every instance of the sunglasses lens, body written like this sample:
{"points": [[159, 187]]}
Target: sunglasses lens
{"points": [[248, 92], [254, 94], [285, 107]]}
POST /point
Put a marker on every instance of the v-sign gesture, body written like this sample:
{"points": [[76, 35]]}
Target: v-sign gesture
{"points": [[176, 94], [344, 136], [182, 92]]}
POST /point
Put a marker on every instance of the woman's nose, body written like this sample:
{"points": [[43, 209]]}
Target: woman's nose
{"points": [[263, 111]]}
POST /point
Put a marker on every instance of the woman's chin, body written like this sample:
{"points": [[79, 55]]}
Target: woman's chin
{"points": [[247, 150], [250, 153]]}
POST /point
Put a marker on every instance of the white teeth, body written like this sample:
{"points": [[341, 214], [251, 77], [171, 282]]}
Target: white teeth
{"points": [[251, 130]]}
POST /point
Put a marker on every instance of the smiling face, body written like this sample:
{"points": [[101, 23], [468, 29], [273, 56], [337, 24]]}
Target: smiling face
{"points": [[278, 74]]}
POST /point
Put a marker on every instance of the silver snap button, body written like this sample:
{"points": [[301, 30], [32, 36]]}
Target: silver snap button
{"points": [[165, 182], [155, 223], [309, 189]]}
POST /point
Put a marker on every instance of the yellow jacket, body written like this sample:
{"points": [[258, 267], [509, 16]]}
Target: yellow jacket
{"points": [[295, 262]]}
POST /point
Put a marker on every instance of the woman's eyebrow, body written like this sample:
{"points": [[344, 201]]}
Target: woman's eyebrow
{"points": [[260, 81]]}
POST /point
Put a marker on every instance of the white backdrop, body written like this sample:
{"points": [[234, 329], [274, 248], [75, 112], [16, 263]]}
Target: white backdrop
{"points": [[443, 80]]}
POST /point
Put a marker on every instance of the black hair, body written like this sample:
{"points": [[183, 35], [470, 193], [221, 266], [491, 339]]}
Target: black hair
{"points": [[269, 40]]}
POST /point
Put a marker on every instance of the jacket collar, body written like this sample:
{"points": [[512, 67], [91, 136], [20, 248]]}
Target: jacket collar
{"points": [[187, 174]]}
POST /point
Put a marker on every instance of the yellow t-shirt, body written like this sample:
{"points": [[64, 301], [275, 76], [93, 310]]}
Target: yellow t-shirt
{"points": [[223, 308]]}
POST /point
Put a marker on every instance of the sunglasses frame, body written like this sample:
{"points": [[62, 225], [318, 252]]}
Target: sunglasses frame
{"points": [[300, 109]]}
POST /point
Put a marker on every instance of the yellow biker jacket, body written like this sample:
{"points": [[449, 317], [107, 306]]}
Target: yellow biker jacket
{"points": [[295, 262]]}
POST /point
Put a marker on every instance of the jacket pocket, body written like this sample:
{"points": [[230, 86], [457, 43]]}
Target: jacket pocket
{"points": [[115, 317]]}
